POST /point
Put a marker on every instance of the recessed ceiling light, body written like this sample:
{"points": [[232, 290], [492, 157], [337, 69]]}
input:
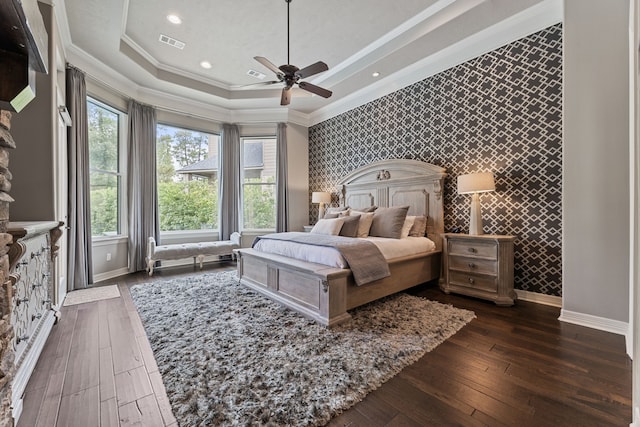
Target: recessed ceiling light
{"points": [[174, 19], [205, 64], [375, 74]]}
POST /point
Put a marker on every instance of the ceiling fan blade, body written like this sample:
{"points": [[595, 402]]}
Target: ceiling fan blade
{"points": [[315, 89], [312, 69], [264, 61], [285, 99]]}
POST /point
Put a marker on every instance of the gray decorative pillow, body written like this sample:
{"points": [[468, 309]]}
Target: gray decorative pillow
{"points": [[366, 209], [328, 226], [388, 222], [419, 228], [350, 226], [332, 211]]}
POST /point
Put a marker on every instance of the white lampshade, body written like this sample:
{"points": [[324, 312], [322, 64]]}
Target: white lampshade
{"points": [[320, 197], [476, 183]]}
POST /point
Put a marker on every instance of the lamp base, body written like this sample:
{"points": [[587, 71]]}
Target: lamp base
{"points": [[475, 219], [321, 211]]}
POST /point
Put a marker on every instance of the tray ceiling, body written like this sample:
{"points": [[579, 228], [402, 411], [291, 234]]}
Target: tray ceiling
{"points": [[355, 38]]}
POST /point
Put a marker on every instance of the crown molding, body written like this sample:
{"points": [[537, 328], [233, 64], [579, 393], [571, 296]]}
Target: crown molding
{"points": [[536, 18]]}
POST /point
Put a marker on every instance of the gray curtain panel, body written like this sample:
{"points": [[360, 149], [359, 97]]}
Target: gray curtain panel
{"points": [[80, 268], [229, 181], [141, 183], [282, 185]]}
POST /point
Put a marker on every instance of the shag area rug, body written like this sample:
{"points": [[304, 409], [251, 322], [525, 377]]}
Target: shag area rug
{"points": [[229, 356]]}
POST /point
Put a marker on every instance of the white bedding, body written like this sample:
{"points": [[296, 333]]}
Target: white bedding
{"points": [[390, 248]]}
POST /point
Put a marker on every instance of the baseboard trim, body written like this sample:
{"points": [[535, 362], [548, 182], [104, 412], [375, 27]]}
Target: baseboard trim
{"points": [[539, 298], [28, 364], [595, 322], [109, 275]]}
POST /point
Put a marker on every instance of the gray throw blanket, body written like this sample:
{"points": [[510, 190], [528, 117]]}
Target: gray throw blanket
{"points": [[364, 258]]}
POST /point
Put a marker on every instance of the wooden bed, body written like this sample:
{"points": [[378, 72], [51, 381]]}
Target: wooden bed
{"points": [[325, 293]]}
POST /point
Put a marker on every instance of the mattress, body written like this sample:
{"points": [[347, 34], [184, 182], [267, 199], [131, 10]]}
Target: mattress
{"points": [[390, 249]]}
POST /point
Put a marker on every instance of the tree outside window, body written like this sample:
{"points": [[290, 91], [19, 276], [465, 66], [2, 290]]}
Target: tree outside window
{"points": [[104, 173], [187, 170], [259, 183]]}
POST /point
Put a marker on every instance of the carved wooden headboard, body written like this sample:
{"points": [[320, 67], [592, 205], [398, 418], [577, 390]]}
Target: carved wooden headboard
{"points": [[399, 183]]}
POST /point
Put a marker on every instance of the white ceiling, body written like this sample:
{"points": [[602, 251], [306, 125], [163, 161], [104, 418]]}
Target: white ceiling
{"points": [[119, 38]]}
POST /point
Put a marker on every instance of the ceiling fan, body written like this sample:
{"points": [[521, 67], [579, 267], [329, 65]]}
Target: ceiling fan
{"points": [[291, 75]]}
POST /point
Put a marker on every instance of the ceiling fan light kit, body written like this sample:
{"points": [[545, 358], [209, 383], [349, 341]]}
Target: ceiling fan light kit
{"points": [[291, 75]]}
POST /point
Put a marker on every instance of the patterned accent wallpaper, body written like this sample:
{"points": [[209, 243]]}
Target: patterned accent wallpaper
{"points": [[499, 112]]}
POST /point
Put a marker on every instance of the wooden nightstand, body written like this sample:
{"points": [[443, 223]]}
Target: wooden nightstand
{"points": [[479, 266], [307, 228]]}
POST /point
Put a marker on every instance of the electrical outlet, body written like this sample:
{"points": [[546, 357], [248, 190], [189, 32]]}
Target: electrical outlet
{"points": [[108, 256]]}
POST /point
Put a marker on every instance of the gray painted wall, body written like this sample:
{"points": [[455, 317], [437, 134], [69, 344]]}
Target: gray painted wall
{"points": [[298, 170], [596, 159], [34, 130]]}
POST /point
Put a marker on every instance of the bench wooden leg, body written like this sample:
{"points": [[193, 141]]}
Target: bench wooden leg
{"points": [[200, 258], [150, 264]]}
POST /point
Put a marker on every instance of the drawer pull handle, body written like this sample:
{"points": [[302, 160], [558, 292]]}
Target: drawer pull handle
{"points": [[22, 338], [21, 300], [471, 280], [36, 316], [473, 250], [472, 265]]}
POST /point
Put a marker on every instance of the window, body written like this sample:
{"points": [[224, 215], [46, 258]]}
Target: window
{"points": [[104, 171], [187, 168], [259, 183]]}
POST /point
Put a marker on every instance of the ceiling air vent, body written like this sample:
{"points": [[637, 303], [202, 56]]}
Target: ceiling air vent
{"points": [[256, 74], [172, 42]]}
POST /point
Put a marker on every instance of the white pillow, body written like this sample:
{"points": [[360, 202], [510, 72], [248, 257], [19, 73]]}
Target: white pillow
{"points": [[366, 219], [328, 226], [406, 227]]}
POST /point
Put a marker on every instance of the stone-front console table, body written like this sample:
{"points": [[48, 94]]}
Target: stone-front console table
{"points": [[31, 258]]}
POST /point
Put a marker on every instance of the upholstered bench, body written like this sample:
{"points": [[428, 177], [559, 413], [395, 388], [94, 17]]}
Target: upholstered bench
{"points": [[187, 250]]}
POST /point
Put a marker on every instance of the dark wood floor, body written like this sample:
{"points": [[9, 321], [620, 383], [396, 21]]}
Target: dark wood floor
{"points": [[516, 366]]}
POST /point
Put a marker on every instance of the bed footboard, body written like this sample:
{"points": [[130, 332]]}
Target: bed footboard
{"points": [[316, 291], [323, 293]]}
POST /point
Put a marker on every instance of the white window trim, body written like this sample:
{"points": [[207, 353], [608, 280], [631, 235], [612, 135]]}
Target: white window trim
{"points": [[241, 213], [123, 218]]}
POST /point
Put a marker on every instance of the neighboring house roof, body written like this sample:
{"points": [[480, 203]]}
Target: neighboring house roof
{"points": [[203, 167], [253, 159]]}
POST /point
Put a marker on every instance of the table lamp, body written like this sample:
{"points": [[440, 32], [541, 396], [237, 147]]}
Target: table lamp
{"points": [[473, 184], [321, 197]]}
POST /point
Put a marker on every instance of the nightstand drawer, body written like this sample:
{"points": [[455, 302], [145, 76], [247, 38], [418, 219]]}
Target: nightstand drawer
{"points": [[486, 283], [473, 249], [473, 265]]}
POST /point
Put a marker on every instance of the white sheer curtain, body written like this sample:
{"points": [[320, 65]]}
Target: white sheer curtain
{"points": [[282, 185], [141, 183], [80, 268], [229, 181]]}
